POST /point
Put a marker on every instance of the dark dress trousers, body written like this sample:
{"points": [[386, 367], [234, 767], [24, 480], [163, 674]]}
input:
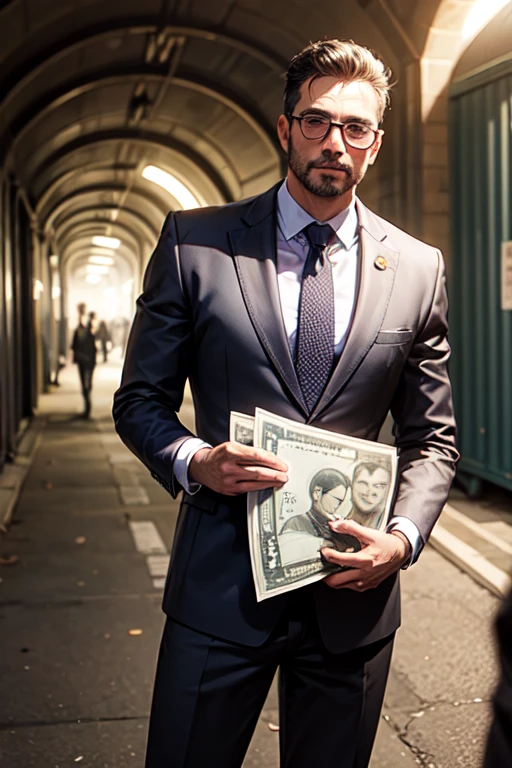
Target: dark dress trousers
{"points": [[210, 312]]}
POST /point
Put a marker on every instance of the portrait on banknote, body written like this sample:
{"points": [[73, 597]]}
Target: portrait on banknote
{"points": [[329, 476]]}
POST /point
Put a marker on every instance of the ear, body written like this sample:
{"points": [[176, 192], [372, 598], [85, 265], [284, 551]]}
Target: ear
{"points": [[283, 132], [376, 147]]}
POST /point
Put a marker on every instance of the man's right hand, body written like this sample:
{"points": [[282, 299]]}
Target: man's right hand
{"points": [[232, 468]]}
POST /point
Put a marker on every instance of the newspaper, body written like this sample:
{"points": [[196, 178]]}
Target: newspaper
{"points": [[329, 476]]}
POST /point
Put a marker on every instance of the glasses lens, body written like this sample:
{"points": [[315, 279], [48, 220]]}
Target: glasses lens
{"points": [[314, 126], [359, 135]]}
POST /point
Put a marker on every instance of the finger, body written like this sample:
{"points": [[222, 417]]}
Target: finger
{"points": [[344, 578], [361, 532], [258, 474], [258, 456], [246, 487], [351, 559]]}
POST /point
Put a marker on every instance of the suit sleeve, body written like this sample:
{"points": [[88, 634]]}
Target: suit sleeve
{"points": [[424, 428], [157, 364]]}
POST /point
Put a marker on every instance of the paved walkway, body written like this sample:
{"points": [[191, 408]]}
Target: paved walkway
{"points": [[80, 620]]}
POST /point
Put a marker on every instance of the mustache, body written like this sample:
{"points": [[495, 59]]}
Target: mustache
{"points": [[330, 165]]}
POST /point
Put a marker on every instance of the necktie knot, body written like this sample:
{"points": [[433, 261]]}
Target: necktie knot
{"points": [[319, 235]]}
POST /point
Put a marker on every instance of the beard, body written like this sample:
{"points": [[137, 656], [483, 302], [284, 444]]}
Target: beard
{"points": [[331, 185]]}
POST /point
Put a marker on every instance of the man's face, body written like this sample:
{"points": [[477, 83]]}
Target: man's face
{"points": [[329, 167], [369, 491], [327, 503]]}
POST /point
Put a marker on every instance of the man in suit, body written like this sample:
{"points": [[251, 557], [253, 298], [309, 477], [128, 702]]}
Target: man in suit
{"points": [[303, 302]]}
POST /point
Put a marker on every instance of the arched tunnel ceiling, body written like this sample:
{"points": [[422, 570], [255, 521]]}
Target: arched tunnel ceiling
{"points": [[92, 92]]}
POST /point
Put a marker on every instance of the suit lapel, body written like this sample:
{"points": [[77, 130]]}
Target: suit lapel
{"points": [[255, 255], [375, 286]]}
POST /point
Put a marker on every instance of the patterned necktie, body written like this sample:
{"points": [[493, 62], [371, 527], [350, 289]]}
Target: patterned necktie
{"points": [[314, 349]]}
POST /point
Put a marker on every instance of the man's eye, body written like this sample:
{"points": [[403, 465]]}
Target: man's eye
{"points": [[356, 130], [315, 121]]}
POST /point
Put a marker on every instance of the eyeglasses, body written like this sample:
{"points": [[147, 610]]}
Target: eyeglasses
{"points": [[335, 501], [318, 127]]}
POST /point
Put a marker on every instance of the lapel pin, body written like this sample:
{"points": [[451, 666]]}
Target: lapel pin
{"points": [[381, 263]]}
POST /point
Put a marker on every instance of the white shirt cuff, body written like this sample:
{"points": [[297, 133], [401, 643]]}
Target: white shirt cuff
{"points": [[412, 534], [184, 456]]}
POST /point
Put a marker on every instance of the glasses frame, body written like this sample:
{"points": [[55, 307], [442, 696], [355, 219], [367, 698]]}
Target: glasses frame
{"points": [[333, 124], [335, 498]]}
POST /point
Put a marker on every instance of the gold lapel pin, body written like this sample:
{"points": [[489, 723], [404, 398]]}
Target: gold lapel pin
{"points": [[381, 263]]}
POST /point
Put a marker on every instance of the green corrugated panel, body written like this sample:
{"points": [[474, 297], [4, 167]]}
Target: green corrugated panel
{"points": [[481, 332]]}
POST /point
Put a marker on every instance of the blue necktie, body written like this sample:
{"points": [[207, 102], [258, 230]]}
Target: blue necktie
{"points": [[314, 349]]}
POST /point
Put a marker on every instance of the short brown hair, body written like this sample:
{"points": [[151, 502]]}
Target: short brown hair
{"points": [[337, 58]]}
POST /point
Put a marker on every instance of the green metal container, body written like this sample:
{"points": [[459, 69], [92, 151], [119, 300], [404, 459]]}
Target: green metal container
{"points": [[481, 330]]}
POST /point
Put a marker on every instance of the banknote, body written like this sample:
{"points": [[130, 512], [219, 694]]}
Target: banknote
{"points": [[241, 428], [329, 476]]}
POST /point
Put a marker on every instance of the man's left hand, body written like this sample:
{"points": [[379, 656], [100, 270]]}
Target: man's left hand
{"points": [[381, 555]]}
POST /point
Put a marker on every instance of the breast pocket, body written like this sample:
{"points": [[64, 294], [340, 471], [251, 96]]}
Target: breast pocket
{"points": [[396, 336]]}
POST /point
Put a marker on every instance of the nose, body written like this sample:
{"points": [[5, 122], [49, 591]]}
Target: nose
{"points": [[334, 140]]}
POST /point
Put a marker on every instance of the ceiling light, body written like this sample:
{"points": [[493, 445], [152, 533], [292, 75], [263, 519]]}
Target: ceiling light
{"points": [[38, 290], [106, 261], [97, 269], [171, 184], [93, 279], [481, 14], [106, 242], [54, 260]]}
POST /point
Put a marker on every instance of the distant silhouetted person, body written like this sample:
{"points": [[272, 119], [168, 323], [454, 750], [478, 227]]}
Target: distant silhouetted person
{"points": [[84, 355], [103, 336]]}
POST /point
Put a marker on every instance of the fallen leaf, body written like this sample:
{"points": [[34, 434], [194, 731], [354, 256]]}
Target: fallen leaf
{"points": [[107, 636], [48, 485], [135, 632], [77, 759], [80, 540], [9, 560], [80, 583], [273, 727]]}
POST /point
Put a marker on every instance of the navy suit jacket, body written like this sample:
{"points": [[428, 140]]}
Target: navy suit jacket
{"points": [[210, 312]]}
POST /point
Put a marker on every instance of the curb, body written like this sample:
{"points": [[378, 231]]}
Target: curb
{"points": [[466, 557], [14, 473]]}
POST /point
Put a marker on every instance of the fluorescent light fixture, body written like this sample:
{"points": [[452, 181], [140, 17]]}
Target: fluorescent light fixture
{"points": [[127, 287], [106, 261], [97, 269], [481, 14], [56, 292], [106, 242], [38, 290], [171, 184], [93, 279]]}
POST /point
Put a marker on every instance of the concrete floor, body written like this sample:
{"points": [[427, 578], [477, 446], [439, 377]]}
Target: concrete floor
{"points": [[80, 617]]}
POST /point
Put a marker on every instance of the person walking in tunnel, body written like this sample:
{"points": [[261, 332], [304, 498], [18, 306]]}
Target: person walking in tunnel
{"points": [[103, 336], [84, 355], [303, 302]]}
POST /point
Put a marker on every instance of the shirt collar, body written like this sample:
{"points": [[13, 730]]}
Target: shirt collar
{"points": [[292, 219]]}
